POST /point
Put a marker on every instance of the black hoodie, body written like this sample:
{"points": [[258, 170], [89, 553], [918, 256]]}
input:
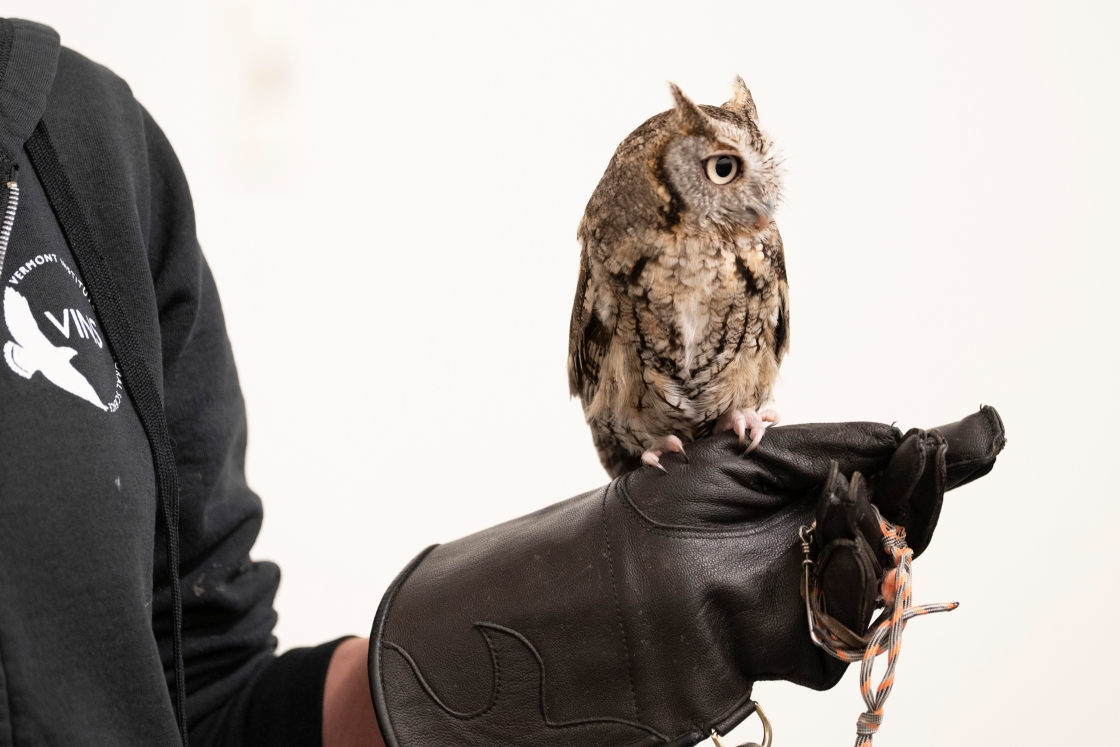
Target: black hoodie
{"points": [[122, 440]]}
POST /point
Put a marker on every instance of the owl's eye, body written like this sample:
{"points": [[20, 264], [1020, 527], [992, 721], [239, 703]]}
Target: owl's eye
{"points": [[721, 169]]}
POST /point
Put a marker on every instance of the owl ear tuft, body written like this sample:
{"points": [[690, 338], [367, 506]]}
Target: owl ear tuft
{"points": [[692, 121], [741, 102]]}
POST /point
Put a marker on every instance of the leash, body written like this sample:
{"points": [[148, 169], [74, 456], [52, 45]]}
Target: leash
{"points": [[886, 631]]}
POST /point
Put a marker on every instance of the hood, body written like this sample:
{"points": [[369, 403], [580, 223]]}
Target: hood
{"points": [[28, 60]]}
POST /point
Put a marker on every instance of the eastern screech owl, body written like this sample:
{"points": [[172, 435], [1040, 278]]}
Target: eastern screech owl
{"points": [[681, 314]]}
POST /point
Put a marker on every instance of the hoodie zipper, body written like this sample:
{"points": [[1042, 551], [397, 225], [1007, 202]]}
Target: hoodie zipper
{"points": [[9, 219]]}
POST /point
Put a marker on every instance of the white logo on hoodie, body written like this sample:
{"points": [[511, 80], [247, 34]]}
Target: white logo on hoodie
{"points": [[31, 351]]}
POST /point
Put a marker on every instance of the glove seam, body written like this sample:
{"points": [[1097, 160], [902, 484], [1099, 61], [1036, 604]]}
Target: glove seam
{"points": [[649, 524], [618, 608]]}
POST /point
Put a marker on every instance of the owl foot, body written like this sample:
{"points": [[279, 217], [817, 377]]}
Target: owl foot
{"points": [[652, 455], [745, 420]]}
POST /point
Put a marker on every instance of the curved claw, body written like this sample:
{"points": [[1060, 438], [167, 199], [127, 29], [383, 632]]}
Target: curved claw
{"points": [[756, 438], [746, 420], [652, 455]]}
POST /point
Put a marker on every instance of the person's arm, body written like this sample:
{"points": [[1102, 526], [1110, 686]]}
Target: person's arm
{"points": [[239, 693], [348, 717]]}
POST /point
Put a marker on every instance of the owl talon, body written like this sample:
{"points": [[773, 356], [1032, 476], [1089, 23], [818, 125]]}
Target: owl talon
{"points": [[756, 439], [652, 455], [747, 420]]}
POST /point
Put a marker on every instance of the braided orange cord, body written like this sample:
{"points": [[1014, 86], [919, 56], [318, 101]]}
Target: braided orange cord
{"points": [[888, 629]]}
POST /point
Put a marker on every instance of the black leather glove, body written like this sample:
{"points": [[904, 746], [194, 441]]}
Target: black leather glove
{"points": [[642, 613]]}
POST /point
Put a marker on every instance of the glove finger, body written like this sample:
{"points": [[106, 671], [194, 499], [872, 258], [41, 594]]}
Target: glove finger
{"points": [[844, 512], [848, 566], [927, 496], [894, 486], [974, 443], [833, 520], [912, 487], [848, 577]]}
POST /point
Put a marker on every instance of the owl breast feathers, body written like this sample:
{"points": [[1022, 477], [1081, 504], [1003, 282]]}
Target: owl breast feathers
{"points": [[681, 311]]}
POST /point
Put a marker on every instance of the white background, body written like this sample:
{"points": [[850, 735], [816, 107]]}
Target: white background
{"points": [[388, 195]]}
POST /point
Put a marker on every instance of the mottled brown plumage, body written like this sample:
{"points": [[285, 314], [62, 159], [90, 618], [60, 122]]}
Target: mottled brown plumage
{"points": [[681, 314]]}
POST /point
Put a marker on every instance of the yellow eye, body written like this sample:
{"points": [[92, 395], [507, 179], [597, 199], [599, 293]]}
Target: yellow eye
{"points": [[721, 169]]}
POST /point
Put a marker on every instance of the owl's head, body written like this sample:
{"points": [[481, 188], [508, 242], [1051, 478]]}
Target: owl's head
{"points": [[696, 168]]}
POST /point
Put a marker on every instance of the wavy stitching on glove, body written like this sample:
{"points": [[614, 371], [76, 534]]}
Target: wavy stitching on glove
{"points": [[462, 715], [484, 626]]}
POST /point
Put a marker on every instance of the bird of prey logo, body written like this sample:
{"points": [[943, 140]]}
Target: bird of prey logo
{"points": [[31, 351]]}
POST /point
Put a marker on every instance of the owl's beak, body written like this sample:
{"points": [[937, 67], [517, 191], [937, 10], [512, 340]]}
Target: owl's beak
{"points": [[765, 211]]}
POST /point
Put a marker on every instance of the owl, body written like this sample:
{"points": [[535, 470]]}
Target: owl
{"points": [[681, 313]]}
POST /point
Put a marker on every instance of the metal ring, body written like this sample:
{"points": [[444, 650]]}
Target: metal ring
{"points": [[767, 731]]}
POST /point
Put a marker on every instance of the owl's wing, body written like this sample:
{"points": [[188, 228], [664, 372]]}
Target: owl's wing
{"points": [[781, 328], [588, 336]]}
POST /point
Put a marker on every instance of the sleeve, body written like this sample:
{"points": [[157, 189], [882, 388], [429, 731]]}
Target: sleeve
{"points": [[238, 692]]}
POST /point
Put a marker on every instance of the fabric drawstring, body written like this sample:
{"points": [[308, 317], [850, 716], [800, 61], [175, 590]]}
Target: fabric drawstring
{"points": [[169, 507], [886, 635], [135, 369]]}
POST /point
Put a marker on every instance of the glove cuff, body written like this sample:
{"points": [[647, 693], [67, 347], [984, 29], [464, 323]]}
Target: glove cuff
{"points": [[515, 636], [376, 645]]}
